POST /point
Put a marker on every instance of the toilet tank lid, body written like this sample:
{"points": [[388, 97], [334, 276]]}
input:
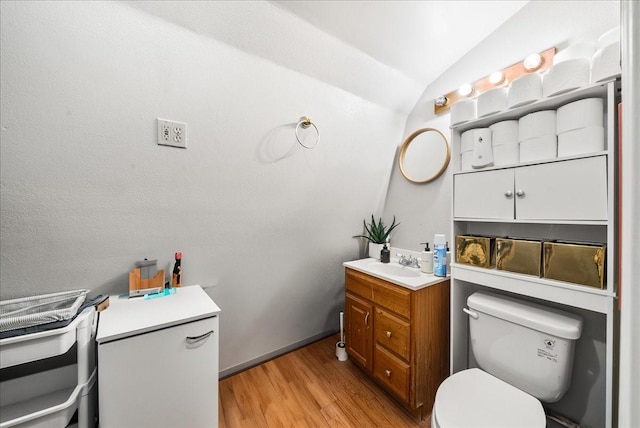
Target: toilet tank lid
{"points": [[537, 317]]}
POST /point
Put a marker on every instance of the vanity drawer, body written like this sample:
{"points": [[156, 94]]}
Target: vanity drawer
{"points": [[394, 298], [392, 372], [358, 284], [392, 332]]}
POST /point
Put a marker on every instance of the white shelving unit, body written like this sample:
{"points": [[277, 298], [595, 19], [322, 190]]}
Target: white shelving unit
{"points": [[50, 398], [578, 203]]}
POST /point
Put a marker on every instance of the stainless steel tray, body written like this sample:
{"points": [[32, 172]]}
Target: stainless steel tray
{"points": [[36, 310]]}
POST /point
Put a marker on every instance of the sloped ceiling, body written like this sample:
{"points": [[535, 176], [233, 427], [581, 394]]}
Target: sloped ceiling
{"points": [[384, 51], [420, 39]]}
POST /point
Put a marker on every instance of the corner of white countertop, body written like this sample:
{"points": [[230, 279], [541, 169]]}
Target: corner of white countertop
{"points": [[128, 316], [423, 280]]}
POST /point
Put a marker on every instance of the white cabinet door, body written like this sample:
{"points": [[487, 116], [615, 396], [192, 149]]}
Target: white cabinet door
{"points": [[487, 194], [165, 378], [571, 190]]}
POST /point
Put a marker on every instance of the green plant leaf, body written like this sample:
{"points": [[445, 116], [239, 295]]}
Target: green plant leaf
{"points": [[377, 232]]}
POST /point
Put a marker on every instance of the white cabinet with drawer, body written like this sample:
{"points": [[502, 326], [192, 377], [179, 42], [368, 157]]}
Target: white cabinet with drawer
{"points": [[535, 192], [158, 361]]}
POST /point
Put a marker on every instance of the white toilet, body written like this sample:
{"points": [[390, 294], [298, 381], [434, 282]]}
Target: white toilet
{"points": [[525, 353]]}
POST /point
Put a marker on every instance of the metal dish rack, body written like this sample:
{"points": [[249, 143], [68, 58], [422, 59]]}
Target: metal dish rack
{"points": [[34, 311], [49, 398]]}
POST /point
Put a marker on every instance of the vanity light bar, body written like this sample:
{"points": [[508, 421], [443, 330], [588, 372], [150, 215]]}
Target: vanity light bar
{"points": [[534, 63]]}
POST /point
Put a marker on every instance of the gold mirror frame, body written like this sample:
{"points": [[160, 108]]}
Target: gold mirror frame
{"points": [[403, 153]]}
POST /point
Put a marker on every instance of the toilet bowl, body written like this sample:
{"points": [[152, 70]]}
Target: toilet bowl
{"points": [[474, 398], [525, 356]]}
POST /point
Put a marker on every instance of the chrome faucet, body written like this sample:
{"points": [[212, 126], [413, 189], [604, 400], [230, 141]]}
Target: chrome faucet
{"points": [[409, 261]]}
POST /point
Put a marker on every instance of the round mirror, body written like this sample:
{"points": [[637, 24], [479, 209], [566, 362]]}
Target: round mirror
{"points": [[424, 155]]}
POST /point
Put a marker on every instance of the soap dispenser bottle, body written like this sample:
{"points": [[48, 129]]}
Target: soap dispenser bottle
{"points": [[439, 255], [385, 254], [427, 259]]}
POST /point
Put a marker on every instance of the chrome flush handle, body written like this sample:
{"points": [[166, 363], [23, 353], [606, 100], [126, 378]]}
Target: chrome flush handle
{"points": [[472, 314]]}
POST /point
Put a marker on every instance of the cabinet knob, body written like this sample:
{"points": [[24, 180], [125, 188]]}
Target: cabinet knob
{"points": [[520, 193], [508, 194], [388, 373], [388, 334]]}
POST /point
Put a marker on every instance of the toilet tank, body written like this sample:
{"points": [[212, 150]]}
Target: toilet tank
{"points": [[527, 345]]}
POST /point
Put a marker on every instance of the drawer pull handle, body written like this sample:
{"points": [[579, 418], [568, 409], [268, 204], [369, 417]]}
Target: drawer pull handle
{"points": [[366, 320], [388, 334], [191, 340], [508, 194], [388, 373], [520, 193]]}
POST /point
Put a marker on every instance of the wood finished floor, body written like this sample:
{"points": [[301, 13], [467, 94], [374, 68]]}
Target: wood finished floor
{"points": [[308, 387]]}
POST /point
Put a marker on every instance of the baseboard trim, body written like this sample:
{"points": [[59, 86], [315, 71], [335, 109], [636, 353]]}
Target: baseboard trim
{"points": [[275, 354]]}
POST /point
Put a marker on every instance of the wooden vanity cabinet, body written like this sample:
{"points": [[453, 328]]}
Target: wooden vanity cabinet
{"points": [[359, 331], [399, 337]]}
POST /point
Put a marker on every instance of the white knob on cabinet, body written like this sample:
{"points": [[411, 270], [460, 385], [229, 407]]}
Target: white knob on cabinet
{"points": [[520, 193], [508, 194]]}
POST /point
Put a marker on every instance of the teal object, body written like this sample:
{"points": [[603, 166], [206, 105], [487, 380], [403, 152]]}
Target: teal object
{"points": [[166, 292]]}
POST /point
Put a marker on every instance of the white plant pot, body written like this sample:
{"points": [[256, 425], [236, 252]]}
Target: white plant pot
{"points": [[374, 250]]}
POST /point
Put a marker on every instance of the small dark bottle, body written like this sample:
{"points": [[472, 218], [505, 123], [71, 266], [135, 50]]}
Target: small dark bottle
{"points": [[385, 254], [177, 271]]}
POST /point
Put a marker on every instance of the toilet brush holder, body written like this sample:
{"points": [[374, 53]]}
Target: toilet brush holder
{"points": [[341, 352], [341, 349]]}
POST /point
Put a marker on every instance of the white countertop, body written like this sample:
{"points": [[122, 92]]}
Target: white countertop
{"points": [[130, 316], [415, 279]]}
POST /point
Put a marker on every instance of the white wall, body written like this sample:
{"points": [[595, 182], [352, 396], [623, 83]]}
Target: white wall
{"points": [[262, 222], [425, 209]]}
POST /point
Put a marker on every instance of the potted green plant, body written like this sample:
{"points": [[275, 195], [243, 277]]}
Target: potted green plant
{"points": [[377, 234]]}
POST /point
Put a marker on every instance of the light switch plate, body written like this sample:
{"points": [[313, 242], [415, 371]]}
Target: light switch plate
{"points": [[172, 133]]}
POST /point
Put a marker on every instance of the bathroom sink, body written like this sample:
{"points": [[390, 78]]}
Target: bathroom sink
{"points": [[395, 273], [394, 269]]}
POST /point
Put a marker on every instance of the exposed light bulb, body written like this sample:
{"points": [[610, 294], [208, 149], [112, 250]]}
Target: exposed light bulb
{"points": [[441, 101], [465, 90], [496, 78], [532, 62]]}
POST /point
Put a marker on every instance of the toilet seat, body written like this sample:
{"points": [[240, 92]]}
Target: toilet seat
{"points": [[474, 398]]}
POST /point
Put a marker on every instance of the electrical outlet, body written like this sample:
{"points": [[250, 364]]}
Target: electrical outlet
{"points": [[172, 133], [165, 133]]}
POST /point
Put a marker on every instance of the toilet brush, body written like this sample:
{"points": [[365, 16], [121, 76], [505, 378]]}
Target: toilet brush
{"points": [[341, 350]]}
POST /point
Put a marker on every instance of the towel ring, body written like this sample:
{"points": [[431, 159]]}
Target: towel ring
{"points": [[305, 123]]}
